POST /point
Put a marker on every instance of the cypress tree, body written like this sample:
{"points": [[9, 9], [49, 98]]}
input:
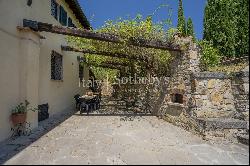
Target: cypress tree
{"points": [[206, 35], [226, 26], [242, 48], [190, 28], [181, 19]]}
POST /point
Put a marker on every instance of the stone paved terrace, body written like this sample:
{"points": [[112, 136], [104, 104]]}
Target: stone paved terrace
{"points": [[117, 140]]}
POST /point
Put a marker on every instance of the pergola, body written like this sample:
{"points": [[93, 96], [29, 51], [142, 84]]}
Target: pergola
{"points": [[106, 37]]}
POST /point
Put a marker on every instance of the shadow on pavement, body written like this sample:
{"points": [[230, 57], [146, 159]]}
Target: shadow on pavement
{"points": [[13, 146]]}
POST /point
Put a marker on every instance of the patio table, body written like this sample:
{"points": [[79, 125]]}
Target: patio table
{"points": [[87, 98], [89, 102]]}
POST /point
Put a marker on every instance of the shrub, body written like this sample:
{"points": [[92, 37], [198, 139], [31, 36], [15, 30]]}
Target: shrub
{"points": [[210, 55]]}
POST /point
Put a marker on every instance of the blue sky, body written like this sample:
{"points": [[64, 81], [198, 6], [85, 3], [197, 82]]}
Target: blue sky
{"points": [[99, 11]]}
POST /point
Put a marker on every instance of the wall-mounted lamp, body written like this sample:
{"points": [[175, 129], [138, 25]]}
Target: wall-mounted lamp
{"points": [[29, 2]]}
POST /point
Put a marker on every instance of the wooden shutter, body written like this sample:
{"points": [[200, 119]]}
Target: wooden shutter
{"points": [[70, 23], [63, 16]]}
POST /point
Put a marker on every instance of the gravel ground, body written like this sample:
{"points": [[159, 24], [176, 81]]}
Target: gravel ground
{"points": [[117, 140]]}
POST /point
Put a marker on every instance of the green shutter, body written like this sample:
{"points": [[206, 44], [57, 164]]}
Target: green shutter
{"points": [[63, 16], [70, 23]]}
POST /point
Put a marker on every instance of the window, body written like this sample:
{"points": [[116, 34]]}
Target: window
{"points": [[54, 9], [70, 23], [56, 66], [63, 16]]}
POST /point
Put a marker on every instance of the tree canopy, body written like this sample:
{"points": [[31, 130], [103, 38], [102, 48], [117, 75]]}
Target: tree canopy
{"points": [[181, 19], [190, 28], [226, 25]]}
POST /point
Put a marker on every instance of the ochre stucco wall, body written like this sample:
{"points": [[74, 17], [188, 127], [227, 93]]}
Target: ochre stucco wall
{"points": [[25, 67]]}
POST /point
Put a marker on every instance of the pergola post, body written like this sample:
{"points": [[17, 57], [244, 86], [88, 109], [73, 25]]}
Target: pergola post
{"points": [[29, 73]]}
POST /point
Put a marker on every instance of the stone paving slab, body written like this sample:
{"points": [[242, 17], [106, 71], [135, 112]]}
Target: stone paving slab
{"points": [[115, 140]]}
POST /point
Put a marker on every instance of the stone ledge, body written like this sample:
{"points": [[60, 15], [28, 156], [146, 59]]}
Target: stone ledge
{"points": [[242, 74], [219, 123], [176, 105], [210, 75]]}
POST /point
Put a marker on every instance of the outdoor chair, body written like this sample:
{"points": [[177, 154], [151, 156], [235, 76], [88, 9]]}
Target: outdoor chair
{"points": [[78, 101], [98, 102], [84, 107]]}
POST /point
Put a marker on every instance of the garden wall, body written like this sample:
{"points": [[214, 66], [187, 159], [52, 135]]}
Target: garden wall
{"points": [[212, 95], [208, 103]]}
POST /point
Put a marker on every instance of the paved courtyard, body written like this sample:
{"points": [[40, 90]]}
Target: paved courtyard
{"points": [[118, 140]]}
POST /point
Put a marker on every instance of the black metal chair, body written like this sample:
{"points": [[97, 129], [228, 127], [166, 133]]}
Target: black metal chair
{"points": [[78, 101], [84, 107], [98, 102]]}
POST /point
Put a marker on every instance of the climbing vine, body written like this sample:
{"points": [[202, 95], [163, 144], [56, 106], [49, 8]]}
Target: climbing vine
{"points": [[151, 59]]}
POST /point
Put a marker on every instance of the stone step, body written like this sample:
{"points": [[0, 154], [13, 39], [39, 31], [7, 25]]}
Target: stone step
{"points": [[223, 123]]}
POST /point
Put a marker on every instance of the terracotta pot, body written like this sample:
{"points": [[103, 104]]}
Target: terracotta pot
{"points": [[18, 118]]}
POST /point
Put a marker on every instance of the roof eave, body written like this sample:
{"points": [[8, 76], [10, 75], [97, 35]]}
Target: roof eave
{"points": [[78, 12]]}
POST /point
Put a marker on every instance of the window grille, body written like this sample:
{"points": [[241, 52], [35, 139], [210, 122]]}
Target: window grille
{"points": [[56, 66], [54, 9]]}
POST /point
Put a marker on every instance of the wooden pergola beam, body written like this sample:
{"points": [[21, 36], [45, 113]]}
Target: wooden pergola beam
{"points": [[105, 53], [83, 33]]}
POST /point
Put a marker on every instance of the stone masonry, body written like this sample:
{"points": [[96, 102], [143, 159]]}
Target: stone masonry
{"points": [[212, 96], [207, 103]]}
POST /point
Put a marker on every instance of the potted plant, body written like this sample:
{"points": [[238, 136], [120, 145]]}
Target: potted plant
{"points": [[19, 113]]}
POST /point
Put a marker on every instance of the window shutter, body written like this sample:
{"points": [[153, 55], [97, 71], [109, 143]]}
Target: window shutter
{"points": [[63, 16], [70, 23]]}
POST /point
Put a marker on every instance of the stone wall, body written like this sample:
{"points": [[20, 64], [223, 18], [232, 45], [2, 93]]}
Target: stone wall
{"points": [[143, 98], [207, 103], [181, 69], [240, 87], [212, 95]]}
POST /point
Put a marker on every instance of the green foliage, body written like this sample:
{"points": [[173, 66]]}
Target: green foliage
{"points": [[181, 19], [100, 73], [242, 38], [226, 26], [190, 28], [23, 108], [232, 68], [210, 55], [171, 32], [135, 28]]}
